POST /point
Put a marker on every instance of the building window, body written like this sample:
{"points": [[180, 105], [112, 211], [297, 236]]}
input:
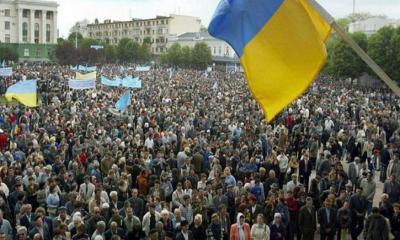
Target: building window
{"points": [[227, 51], [38, 53], [215, 50], [7, 25], [47, 32], [7, 38], [166, 21], [26, 52], [162, 21], [7, 12], [49, 15], [219, 51], [25, 13], [37, 14], [153, 31], [36, 32], [24, 32]]}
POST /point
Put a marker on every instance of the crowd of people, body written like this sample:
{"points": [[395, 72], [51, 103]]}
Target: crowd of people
{"points": [[193, 158]]}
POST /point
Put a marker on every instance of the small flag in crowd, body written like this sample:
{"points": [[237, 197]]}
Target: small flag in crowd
{"points": [[24, 92], [281, 45], [124, 101], [3, 64]]}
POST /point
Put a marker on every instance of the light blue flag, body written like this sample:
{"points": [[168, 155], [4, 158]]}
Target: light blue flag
{"points": [[130, 82], [3, 64], [206, 74], [124, 101], [171, 72], [112, 83]]}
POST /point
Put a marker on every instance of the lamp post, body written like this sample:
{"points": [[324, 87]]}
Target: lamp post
{"points": [[76, 35]]}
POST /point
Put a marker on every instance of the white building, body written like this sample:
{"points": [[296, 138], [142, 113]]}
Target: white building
{"points": [[372, 25], [219, 49], [28, 21], [81, 28], [159, 30]]}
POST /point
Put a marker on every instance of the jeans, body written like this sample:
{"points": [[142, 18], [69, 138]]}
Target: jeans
{"points": [[369, 206]]}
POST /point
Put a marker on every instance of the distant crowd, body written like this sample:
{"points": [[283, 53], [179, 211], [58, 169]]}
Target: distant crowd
{"points": [[193, 158]]}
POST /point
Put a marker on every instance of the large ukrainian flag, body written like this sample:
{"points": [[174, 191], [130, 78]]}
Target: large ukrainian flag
{"points": [[24, 92], [280, 44]]}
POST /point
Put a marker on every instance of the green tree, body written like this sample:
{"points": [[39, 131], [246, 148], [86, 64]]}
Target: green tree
{"points": [[125, 50], [67, 54], [8, 54], [174, 55], [72, 39], [384, 48], [343, 62], [201, 56], [110, 53], [87, 42], [186, 57]]}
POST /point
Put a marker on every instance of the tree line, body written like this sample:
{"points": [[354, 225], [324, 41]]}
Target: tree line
{"points": [[198, 57], [127, 50], [383, 47]]}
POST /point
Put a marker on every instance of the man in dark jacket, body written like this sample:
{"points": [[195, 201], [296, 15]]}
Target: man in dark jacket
{"points": [[376, 227], [358, 206], [327, 220], [307, 220], [305, 169]]}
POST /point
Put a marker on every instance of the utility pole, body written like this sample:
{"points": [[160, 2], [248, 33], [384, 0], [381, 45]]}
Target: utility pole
{"points": [[76, 36], [354, 7]]}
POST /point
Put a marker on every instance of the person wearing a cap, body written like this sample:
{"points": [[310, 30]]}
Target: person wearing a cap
{"points": [[62, 217], [185, 233], [240, 230]]}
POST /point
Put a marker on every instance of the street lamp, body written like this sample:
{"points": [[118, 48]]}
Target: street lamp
{"points": [[76, 35]]}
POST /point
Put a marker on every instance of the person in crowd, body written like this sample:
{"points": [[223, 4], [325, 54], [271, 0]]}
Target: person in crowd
{"points": [[376, 226], [241, 229], [260, 230]]}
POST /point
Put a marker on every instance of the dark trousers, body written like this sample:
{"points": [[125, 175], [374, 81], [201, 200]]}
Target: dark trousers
{"points": [[357, 225], [329, 236]]}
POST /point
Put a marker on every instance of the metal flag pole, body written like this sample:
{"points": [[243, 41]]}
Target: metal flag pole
{"points": [[360, 52]]}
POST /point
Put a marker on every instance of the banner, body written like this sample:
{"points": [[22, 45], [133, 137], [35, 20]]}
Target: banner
{"points": [[112, 83], [130, 82], [6, 72], [83, 68], [142, 68], [82, 84], [80, 76]]}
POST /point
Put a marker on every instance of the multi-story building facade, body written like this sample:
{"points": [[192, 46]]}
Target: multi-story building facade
{"points": [[372, 25], [158, 30], [28, 26], [221, 51]]}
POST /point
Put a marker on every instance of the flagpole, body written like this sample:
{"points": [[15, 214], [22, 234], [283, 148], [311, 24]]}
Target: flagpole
{"points": [[356, 48]]}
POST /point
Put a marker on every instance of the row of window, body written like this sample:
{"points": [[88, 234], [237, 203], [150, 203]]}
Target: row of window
{"points": [[220, 51], [38, 14], [36, 32], [131, 24], [38, 53], [160, 31]]}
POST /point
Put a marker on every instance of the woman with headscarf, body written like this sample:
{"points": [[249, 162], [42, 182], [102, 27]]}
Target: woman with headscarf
{"points": [[240, 230], [278, 229]]}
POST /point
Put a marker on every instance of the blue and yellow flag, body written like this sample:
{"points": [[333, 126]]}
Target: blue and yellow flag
{"points": [[24, 92], [281, 45]]}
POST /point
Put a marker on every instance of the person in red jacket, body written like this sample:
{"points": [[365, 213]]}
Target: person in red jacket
{"points": [[3, 140], [240, 230]]}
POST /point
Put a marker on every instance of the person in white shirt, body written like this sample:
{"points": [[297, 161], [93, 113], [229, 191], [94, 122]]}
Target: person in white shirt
{"points": [[4, 188], [260, 230], [283, 162]]}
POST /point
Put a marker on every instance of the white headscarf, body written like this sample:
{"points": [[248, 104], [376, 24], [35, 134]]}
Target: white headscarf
{"points": [[238, 218]]}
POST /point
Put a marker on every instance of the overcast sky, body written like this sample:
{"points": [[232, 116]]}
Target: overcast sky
{"points": [[71, 11]]}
